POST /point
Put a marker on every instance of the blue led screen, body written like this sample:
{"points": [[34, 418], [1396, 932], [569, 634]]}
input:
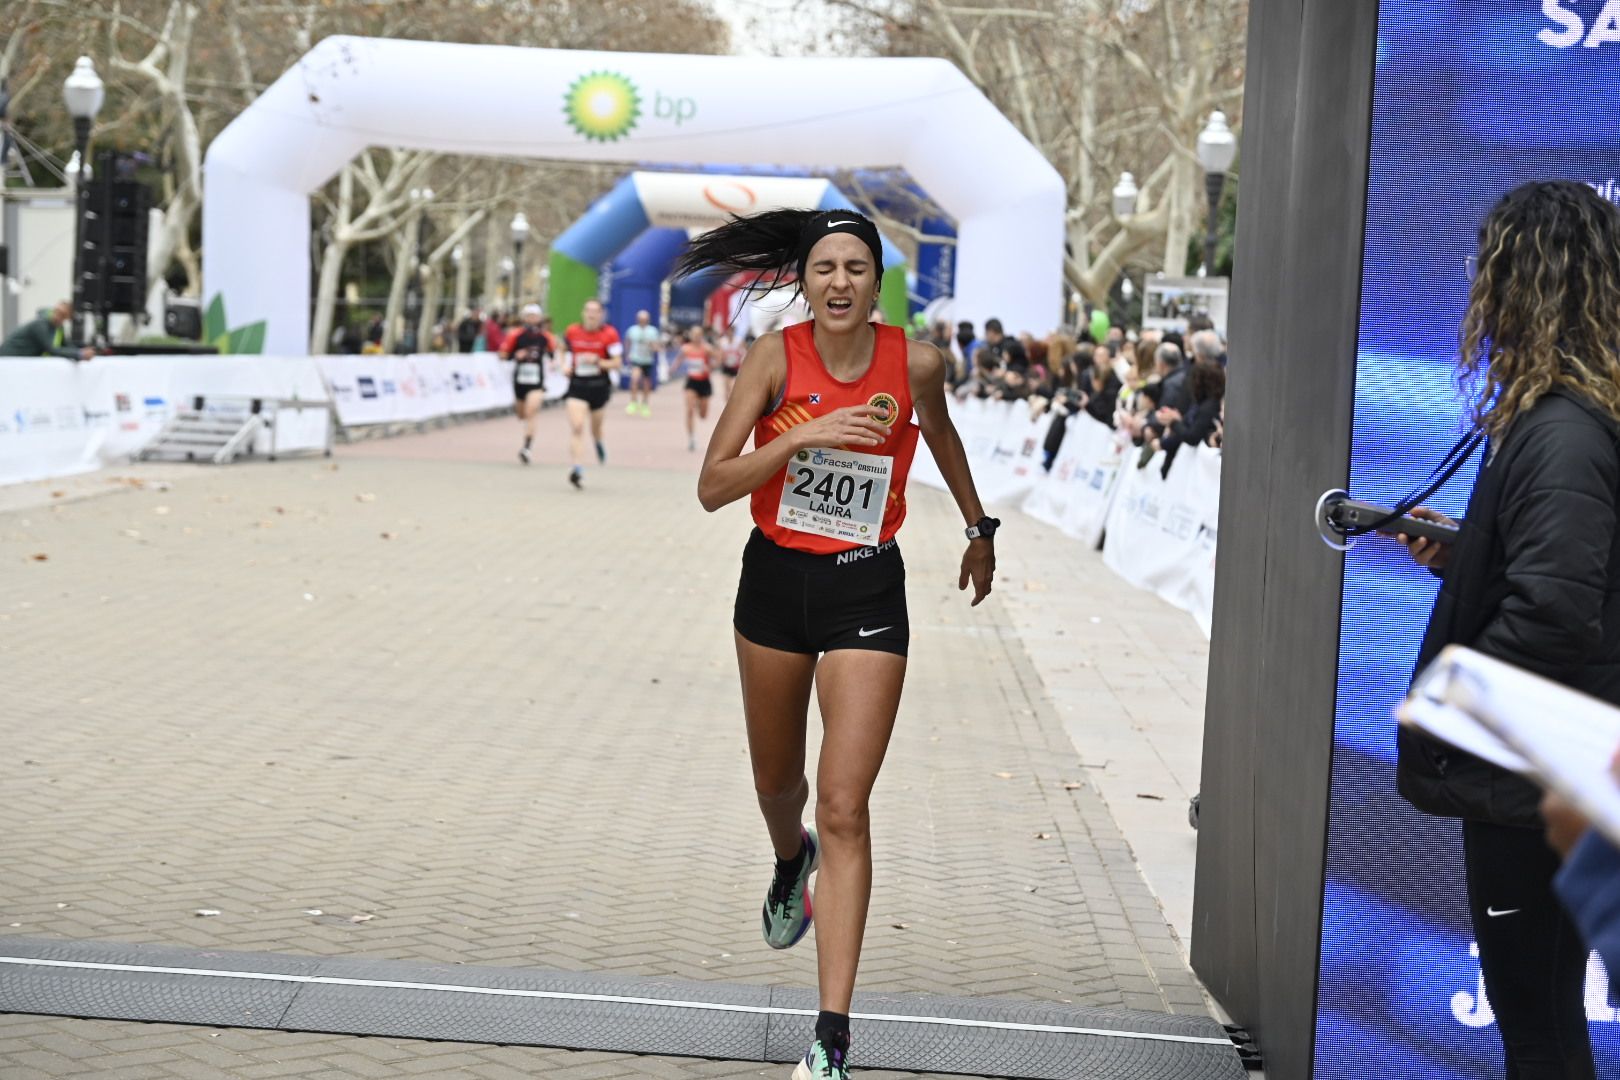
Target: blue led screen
{"points": [[1471, 98]]}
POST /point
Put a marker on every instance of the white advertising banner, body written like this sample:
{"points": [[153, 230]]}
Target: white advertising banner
{"points": [[1077, 493], [387, 389], [1003, 445], [1162, 530], [59, 417]]}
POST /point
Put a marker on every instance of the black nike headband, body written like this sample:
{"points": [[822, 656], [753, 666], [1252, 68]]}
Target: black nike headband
{"points": [[839, 221]]}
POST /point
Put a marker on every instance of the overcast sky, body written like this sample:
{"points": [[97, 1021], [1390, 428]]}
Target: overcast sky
{"points": [[775, 27]]}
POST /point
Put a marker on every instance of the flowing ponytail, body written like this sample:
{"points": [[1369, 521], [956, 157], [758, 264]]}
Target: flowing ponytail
{"points": [[776, 244], [767, 242]]}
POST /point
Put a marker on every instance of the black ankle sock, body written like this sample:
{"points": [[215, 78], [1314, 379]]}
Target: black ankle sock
{"points": [[527, 441], [791, 867], [833, 1027]]}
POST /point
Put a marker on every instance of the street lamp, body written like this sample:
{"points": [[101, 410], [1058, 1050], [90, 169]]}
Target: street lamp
{"points": [[1125, 193], [1217, 147], [520, 233], [83, 93]]}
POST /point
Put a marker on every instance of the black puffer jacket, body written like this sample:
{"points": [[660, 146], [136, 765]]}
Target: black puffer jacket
{"points": [[1534, 579]]}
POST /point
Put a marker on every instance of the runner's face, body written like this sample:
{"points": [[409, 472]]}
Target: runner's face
{"points": [[592, 316], [840, 281]]}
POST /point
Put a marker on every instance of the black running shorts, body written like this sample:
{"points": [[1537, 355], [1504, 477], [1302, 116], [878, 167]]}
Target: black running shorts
{"points": [[593, 390], [803, 603], [523, 390], [700, 387]]}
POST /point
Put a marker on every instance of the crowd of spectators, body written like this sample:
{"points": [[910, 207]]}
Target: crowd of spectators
{"points": [[1156, 390]]}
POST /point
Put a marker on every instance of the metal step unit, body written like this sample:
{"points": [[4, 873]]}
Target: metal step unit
{"points": [[220, 429]]}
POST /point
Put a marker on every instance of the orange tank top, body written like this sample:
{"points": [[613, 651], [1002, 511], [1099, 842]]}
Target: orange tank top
{"points": [[811, 391]]}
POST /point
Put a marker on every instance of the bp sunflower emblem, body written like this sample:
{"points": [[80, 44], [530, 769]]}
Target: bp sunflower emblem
{"points": [[603, 106]]}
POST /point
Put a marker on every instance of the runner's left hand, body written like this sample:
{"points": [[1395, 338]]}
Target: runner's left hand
{"points": [[978, 566]]}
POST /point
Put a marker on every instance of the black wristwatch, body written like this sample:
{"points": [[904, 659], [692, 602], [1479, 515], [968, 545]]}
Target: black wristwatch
{"points": [[984, 529]]}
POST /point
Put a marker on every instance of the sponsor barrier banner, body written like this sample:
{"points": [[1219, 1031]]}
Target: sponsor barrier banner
{"points": [[58, 417], [1077, 494], [387, 389], [1160, 531]]}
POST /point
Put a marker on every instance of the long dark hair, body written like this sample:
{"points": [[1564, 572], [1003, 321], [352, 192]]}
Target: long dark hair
{"points": [[1544, 306], [771, 243]]}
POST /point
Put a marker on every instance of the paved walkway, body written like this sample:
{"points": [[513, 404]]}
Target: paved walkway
{"points": [[424, 703]]}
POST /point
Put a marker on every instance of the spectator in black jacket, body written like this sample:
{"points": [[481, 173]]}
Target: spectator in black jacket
{"points": [[1208, 385], [1533, 579]]}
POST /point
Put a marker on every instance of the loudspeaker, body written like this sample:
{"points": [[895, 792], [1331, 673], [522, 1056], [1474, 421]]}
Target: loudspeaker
{"points": [[113, 259], [183, 319]]}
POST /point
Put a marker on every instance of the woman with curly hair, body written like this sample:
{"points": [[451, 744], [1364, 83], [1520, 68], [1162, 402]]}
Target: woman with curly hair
{"points": [[1533, 579]]}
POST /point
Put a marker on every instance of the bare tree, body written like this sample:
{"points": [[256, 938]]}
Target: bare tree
{"points": [[1101, 87]]}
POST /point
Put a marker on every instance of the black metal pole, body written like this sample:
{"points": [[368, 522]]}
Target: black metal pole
{"points": [[81, 201], [1214, 183]]}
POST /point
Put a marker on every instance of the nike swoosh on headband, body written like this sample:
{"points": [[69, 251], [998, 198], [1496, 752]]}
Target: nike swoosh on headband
{"points": [[830, 224]]}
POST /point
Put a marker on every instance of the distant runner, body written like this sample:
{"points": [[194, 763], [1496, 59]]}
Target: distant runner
{"points": [[593, 353], [529, 345], [642, 340], [696, 361]]}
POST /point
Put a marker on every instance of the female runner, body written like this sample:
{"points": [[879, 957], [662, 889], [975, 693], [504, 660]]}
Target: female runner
{"points": [[731, 358], [697, 362], [822, 599]]}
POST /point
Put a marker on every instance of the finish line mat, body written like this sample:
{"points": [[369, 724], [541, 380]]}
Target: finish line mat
{"points": [[579, 1011]]}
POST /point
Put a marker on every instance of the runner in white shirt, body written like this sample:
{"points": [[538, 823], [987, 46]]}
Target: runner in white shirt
{"points": [[642, 340]]}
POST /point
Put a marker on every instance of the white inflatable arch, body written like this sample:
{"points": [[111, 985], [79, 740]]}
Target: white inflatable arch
{"points": [[351, 93]]}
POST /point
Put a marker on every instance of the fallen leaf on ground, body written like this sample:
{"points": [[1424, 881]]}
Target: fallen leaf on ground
{"points": [[206, 912], [361, 918], [1155, 798], [57, 494], [1034, 586], [901, 925], [160, 510], [1043, 836], [1072, 786], [133, 534], [39, 556], [388, 535], [365, 496], [314, 911], [1003, 775]]}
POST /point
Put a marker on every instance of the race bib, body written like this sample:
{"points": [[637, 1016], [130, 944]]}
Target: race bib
{"points": [[586, 364], [529, 373], [836, 493]]}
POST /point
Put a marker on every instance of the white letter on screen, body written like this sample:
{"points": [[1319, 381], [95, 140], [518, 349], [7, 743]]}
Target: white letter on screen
{"points": [[1573, 30]]}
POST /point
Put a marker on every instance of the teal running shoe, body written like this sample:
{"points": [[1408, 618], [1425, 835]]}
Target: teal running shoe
{"points": [[787, 905], [825, 1060]]}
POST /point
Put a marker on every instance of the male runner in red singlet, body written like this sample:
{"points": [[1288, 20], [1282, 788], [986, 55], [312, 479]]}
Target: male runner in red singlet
{"points": [[592, 353], [822, 599], [529, 346]]}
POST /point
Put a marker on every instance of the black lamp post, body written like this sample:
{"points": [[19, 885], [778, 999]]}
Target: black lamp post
{"points": [[1217, 147], [83, 93], [520, 233]]}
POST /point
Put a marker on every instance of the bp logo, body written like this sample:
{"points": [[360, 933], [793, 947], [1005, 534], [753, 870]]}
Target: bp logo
{"points": [[888, 408], [603, 106]]}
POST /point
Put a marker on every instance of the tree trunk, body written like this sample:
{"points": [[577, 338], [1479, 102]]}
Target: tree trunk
{"points": [[492, 262], [463, 284], [432, 286], [1178, 231], [404, 265], [326, 294]]}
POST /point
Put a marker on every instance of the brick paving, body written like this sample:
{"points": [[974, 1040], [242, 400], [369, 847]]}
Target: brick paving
{"points": [[469, 715]]}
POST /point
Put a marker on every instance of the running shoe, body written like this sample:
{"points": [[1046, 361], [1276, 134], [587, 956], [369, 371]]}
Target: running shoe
{"points": [[523, 455], [601, 453], [825, 1060], [577, 478], [787, 905], [646, 410]]}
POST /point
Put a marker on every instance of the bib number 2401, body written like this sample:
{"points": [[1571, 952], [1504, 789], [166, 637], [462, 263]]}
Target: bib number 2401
{"points": [[836, 493]]}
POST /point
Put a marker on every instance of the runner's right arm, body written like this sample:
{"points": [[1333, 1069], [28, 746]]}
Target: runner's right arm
{"points": [[729, 474]]}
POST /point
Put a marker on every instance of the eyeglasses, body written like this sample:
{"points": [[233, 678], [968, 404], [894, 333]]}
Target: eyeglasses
{"points": [[1471, 266]]}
